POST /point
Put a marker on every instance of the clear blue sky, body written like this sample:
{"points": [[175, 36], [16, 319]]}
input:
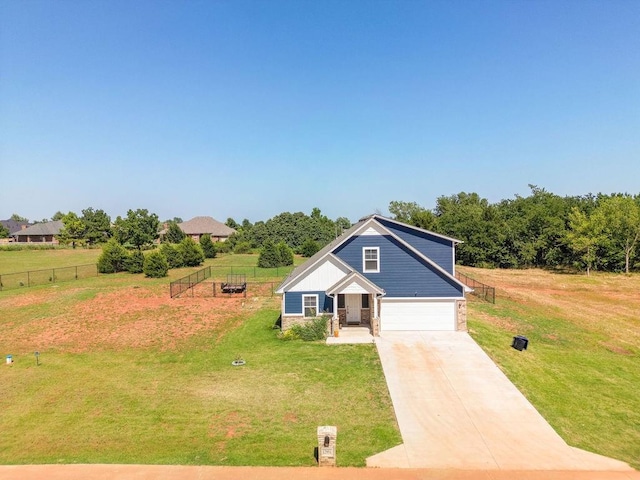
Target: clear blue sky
{"points": [[246, 109]]}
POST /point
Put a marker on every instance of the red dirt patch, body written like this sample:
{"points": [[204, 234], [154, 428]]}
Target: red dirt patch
{"points": [[124, 318]]}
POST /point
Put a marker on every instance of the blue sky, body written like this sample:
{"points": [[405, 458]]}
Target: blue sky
{"points": [[246, 109]]}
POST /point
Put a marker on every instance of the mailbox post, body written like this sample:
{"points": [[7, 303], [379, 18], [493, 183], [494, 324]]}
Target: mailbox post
{"points": [[327, 446]]}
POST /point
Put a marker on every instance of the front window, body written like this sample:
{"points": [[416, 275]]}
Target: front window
{"points": [[365, 300], [371, 259], [310, 305]]}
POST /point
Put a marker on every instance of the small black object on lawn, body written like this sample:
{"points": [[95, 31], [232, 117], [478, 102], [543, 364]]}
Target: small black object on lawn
{"points": [[520, 342]]}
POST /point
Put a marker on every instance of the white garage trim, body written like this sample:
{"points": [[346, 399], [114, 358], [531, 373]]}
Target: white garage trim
{"points": [[415, 314]]}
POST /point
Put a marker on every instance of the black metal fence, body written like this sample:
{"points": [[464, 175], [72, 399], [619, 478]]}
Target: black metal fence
{"points": [[51, 275], [481, 290], [185, 283], [269, 276]]}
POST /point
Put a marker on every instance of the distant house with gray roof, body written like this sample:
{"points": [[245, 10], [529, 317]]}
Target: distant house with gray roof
{"points": [[44, 232], [199, 226], [12, 226]]}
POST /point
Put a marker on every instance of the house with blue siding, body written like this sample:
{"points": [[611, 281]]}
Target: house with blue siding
{"points": [[382, 274]]}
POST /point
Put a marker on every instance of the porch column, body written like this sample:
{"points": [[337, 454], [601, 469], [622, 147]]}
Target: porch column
{"points": [[335, 305], [375, 306]]}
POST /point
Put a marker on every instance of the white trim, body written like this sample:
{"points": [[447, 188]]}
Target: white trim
{"points": [[422, 299], [307, 295], [364, 260]]}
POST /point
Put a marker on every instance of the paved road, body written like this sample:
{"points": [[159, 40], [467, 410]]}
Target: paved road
{"points": [[155, 472], [456, 409]]}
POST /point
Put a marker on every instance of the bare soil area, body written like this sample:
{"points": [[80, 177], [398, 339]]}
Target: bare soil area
{"points": [[128, 317]]}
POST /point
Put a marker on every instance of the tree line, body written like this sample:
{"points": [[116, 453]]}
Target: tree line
{"points": [[544, 230], [540, 230]]}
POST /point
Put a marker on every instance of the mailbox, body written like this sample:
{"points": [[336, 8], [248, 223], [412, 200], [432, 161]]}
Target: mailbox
{"points": [[327, 446]]}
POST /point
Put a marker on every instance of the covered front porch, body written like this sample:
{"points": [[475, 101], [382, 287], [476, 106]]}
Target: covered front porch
{"points": [[355, 304]]}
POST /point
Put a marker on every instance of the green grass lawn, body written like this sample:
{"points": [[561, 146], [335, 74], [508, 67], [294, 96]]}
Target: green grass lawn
{"points": [[183, 402], [13, 261], [581, 370]]}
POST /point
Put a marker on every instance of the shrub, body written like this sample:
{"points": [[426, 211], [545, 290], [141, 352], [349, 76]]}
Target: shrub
{"points": [[172, 254], [208, 248], [268, 255], [224, 247], [113, 258], [242, 247], [309, 247], [312, 331], [174, 233], [192, 254], [275, 255], [285, 254], [155, 265], [135, 262]]}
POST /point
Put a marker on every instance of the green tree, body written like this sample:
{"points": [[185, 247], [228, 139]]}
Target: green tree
{"points": [[269, 257], [309, 248], [155, 265], [174, 233], [18, 218], [138, 229], [285, 254], [97, 225], [113, 258], [403, 211], [135, 262], [620, 217], [192, 254], [73, 230], [173, 255], [231, 223], [208, 248], [57, 216], [584, 235], [4, 231]]}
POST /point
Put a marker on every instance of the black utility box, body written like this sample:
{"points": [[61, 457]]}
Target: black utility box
{"points": [[520, 342]]}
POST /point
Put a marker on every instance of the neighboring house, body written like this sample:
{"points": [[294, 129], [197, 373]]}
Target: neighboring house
{"points": [[44, 232], [199, 226], [380, 273], [12, 226]]}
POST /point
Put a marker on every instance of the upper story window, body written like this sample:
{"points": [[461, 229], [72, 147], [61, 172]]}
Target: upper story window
{"points": [[371, 259]]}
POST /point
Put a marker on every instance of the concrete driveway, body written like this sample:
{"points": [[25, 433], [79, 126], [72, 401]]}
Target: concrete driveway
{"points": [[456, 409]]}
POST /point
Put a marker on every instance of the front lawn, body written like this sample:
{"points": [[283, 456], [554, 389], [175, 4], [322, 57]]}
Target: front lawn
{"points": [[581, 370], [128, 375]]}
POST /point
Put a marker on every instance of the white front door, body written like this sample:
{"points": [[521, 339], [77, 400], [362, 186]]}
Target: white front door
{"points": [[353, 308]]}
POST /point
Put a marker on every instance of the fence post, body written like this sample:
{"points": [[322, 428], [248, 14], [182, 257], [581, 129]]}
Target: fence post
{"points": [[0, 282], [76, 272], [28, 280]]}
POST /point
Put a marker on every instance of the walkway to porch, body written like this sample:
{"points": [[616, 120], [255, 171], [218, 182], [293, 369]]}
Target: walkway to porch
{"points": [[349, 335]]}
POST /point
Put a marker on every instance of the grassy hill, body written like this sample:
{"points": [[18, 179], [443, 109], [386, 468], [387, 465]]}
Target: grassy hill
{"points": [[582, 367]]}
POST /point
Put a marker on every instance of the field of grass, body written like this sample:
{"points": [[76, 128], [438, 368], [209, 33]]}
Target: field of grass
{"points": [[128, 375], [582, 367], [13, 261]]}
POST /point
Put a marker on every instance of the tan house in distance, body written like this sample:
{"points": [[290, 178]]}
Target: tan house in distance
{"points": [[44, 232], [199, 226]]}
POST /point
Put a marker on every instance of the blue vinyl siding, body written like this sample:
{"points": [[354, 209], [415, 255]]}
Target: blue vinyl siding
{"points": [[402, 273], [437, 249], [293, 302]]}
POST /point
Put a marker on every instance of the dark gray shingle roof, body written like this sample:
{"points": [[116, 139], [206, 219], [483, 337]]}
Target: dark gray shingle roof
{"points": [[45, 228]]}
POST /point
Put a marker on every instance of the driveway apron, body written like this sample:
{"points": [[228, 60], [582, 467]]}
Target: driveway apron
{"points": [[456, 409]]}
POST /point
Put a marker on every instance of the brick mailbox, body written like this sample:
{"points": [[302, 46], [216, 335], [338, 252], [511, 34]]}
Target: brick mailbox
{"points": [[327, 446]]}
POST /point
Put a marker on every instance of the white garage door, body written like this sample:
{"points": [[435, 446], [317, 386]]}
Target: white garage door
{"points": [[418, 314]]}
